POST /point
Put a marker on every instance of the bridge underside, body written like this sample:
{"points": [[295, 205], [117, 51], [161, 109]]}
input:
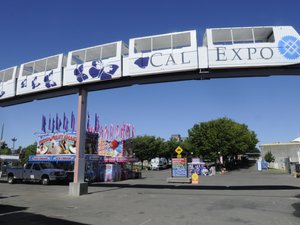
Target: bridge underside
{"points": [[157, 78]]}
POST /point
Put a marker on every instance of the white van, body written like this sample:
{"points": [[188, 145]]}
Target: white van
{"points": [[158, 163]]}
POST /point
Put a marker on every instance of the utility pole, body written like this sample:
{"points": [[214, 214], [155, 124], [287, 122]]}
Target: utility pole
{"points": [[1, 137]]}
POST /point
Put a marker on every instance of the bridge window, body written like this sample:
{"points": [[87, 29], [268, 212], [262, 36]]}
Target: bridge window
{"points": [[161, 42], [142, 45], [181, 40], [222, 37], [78, 57], [243, 35], [93, 54], [6, 75], [172, 41], [52, 63], [28, 69], [264, 34], [40, 66], [109, 51]]}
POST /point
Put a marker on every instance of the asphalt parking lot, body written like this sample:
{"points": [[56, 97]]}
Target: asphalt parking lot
{"points": [[239, 197]]}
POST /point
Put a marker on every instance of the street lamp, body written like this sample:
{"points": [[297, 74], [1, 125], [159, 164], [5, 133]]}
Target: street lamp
{"points": [[13, 140]]}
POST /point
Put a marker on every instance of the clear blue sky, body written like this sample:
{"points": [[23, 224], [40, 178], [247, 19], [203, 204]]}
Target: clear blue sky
{"points": [[35, 29]]}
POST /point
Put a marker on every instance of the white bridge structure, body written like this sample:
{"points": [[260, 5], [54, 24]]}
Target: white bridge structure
{"points": [[225, 52]]}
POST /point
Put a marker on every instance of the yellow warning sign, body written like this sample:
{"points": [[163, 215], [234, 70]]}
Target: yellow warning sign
{"points": [[195, 178], [178, 150], [179, 156]]}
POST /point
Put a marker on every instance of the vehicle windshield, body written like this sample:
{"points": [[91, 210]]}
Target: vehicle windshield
{"points": [[47, 166]]}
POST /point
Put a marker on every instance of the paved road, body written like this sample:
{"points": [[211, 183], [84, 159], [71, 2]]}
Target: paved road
{"points": [[240, 197]]}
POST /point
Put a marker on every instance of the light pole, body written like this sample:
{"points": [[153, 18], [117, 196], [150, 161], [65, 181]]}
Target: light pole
{"points": [[1, 137], [13, 140]]}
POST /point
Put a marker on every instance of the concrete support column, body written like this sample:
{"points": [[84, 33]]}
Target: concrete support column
{"points": [[79, 187]]}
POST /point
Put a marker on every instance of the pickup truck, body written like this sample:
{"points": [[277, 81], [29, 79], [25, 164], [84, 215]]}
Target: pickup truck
{"points": [[43, 172]]}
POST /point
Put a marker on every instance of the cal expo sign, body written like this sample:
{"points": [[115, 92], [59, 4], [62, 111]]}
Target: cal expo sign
{"points": [[164, 62], [231, 54]]}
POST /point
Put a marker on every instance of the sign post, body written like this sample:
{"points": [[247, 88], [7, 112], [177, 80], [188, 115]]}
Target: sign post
{"points": [[179, 167], [179, 150], [179, 172]]}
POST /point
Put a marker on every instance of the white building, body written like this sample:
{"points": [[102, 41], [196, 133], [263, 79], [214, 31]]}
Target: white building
{"points": [[283, 152]]}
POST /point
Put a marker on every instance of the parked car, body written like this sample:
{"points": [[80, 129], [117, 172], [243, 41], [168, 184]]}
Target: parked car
{"points": [[43, 172], [158, 163]]}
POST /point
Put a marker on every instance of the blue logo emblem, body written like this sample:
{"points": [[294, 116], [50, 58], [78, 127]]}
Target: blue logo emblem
{"points": [[102, 71], [78, 72], [48, 82], [97, 70], [289, 47], [35, 83], [142, 62], [24, 83]]}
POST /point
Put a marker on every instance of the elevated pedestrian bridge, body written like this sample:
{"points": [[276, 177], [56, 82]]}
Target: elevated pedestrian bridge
{"points": [[224, 53]]}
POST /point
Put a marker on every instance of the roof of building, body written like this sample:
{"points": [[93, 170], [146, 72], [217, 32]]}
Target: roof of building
{"points": [[296, 140], [281, 143]]}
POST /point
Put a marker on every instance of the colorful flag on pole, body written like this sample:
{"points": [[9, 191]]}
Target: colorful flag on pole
{"points": [[105, 132], [67, 124], [72, 122], [56, 122], [88, 123], [111, 132], [122, 131], [53, 125], [44, 124], [49, 123], [117, 131], [64, 122], [127, 130], [132, 131], [96, 123], [59, 124], [101, 132]]}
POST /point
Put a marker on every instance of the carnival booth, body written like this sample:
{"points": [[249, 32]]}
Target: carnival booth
{"points": [[196, 166], [118, 158], [108, 154]]}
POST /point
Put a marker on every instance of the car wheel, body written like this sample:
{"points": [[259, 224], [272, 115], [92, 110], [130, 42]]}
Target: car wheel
{"points": [[10, 179], [45, 181]]}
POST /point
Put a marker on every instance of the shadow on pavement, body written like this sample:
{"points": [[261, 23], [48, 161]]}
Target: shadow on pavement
{"points": [[11, 196], [13, 215], [296, 207], [9, 208], [196, 187]]}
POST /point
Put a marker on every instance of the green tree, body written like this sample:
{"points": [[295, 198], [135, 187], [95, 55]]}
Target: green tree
{"points": [[221, 137], [5, 150], [26, 152], [269, 157], [170, 147], [147, 147], [172, 144]]}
